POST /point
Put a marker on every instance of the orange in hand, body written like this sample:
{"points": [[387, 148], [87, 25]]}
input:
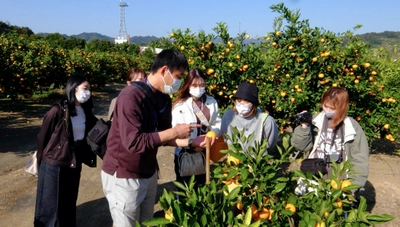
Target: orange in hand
{"points": [[211, 134]]}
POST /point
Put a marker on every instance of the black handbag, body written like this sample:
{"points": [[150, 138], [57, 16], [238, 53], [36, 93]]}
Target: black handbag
{"points": [[97, 137], [314, 165]]}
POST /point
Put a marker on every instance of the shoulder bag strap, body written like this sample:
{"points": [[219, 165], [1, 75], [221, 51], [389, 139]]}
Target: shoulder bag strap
{"points": [[146, 90], [263, 118], [200, 115], [150, 95]]}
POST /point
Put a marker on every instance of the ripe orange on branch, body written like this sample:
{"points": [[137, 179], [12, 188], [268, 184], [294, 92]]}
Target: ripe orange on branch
{"points": [[334, 184], [233, 160], [344, 184], [290, 207]]}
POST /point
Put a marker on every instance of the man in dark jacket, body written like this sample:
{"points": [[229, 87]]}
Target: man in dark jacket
{"points": [[141, 124]]}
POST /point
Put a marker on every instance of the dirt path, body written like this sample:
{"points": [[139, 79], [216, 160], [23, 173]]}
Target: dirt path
{"points": [[18, 131]]}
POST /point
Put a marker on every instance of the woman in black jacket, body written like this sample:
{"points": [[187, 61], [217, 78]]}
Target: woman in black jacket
{"points": [[62, 148]]}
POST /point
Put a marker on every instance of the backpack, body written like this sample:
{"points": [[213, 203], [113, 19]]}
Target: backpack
{"points": [[97, 136]]}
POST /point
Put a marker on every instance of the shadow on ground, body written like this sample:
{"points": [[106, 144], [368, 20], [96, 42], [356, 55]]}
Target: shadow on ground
{"points": [[369, 194], [87, 217], [385, 147]]}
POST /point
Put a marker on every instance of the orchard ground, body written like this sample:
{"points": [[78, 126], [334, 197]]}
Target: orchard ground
{"points": [[19, 125]]}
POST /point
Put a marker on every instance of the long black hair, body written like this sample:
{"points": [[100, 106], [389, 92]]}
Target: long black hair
{"points": [[69, 96]]}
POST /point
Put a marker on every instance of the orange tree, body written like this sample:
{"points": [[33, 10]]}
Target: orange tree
{"points": [[28, 65], [293, 66], [305, 62], [31, 64], [388, 94], [249, 189], [227, 61]]}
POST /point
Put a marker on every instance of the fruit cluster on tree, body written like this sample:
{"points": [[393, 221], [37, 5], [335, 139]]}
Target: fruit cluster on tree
{"points": [[249, 189], [33, 65], [293, 66]]}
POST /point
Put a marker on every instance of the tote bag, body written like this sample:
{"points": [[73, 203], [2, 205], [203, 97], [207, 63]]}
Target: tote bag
{"points": [[31, 165]]}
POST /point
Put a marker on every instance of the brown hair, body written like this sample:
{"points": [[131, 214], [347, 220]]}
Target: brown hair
{"points": [[133, 74], [184, 92], [339, 99]]}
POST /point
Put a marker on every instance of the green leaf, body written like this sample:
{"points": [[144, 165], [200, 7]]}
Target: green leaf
{"points": [[352, 216], [234, 193], [179, 185], [247, 218], [156, 222], [287, 212], [213, 186], [379, 218], [279, 187], [363, 204], [330, 218], [335, 195], [255, 224], [244, 174]]}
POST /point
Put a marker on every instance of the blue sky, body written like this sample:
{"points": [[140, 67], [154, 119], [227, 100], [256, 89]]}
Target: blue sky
{"points": [[159, 18]]}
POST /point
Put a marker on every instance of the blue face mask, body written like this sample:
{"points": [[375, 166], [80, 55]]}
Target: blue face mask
{"points": [[329, 115]]}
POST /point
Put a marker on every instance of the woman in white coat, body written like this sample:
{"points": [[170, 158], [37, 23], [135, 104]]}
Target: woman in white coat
{"points": [[193, 105]]}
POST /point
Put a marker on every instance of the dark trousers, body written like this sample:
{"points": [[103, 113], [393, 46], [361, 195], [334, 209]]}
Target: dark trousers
{"points": [[56, 195]]}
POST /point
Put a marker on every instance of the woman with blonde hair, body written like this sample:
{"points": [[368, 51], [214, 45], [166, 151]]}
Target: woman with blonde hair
{"points": [[333, 136]]}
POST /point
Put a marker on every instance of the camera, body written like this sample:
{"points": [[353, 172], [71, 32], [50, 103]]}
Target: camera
{"points": [[304, 117], [335, 157]]}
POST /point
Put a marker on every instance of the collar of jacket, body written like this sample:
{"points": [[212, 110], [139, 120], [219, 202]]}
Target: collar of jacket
{"points": [[349, 131]]}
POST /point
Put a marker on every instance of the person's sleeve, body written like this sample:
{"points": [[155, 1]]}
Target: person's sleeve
{"points": [[302, 138], [224, 125], [131, 119], [216, 124], [175, 116], [359, 154], [50, 120], [271, 132]]}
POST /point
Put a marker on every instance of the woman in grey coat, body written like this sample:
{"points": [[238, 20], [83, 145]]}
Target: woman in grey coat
{"points": [[333, 136]]}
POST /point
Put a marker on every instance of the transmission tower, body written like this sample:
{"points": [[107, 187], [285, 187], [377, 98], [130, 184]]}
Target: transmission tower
{"points": [[123, 36]]}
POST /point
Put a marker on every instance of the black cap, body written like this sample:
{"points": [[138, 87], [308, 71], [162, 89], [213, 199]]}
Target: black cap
{"points": [[247, 91]]}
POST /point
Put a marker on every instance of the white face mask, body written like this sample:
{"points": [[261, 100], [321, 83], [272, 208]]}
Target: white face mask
{"points": [[170, 89], [243, 109], [197, 92], [82, 95], [329, 115]]}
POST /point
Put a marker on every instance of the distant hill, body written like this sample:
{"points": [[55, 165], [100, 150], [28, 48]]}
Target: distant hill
{"points": [[386, 40], [381, 39], [89, 36], [7, 28]]}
